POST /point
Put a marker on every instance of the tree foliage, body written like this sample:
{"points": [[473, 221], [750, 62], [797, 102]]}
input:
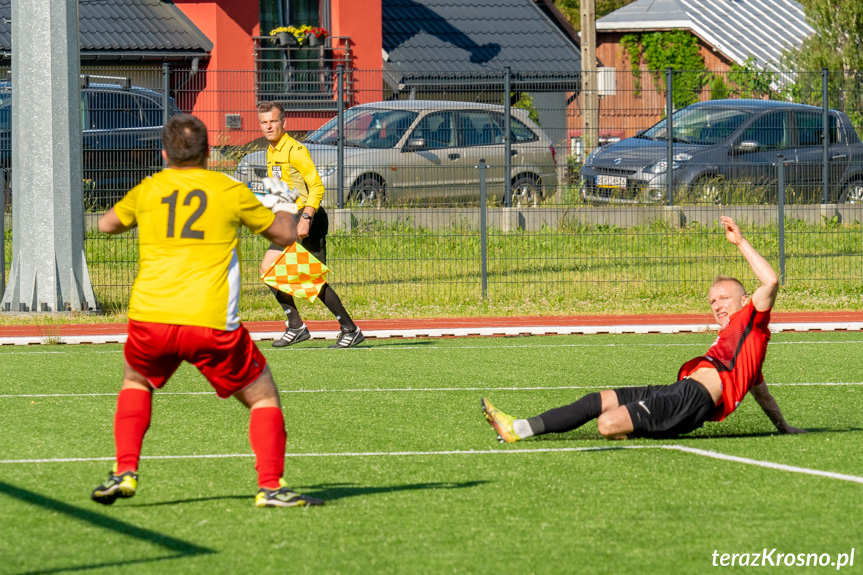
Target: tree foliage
{"points": [[677, 50], [836, 45]]}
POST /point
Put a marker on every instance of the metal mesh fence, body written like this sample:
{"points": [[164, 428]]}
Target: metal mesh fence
{"points": [[578, 195]]}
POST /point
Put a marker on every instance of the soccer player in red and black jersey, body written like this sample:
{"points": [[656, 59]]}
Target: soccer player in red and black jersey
{"points": [[710, 387]]}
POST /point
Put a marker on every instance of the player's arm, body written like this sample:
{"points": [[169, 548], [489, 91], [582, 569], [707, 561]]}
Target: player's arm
{"points": [[762, 396], [283, 230], [765, 295], [110, 223]]}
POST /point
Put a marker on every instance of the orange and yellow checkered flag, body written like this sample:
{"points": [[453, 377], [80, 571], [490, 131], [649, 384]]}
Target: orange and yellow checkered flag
{"points": [[297, 272]]}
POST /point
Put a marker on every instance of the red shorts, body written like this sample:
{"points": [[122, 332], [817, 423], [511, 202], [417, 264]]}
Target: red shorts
{"points": [[229, 360]]}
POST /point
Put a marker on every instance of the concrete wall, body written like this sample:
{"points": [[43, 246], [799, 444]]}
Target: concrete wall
{"points": [[534, 219]]}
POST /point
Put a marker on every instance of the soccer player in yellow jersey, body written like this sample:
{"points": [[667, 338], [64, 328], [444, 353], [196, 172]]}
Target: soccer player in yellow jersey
{"points": [[290, 161], [184, 305]]}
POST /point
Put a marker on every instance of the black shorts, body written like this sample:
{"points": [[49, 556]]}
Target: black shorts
{"points": [[316, 241], [666, 411]]}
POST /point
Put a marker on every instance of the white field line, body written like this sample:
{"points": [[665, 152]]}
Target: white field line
{"points": [[682, 448], [408, 389], [369, 347], [767, 464], [473, 331]]}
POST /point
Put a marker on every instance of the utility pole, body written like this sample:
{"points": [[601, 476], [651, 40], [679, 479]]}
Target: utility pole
{"points": [[49, 271], [589, 79]]}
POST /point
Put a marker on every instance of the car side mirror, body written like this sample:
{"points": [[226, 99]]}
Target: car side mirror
{"points": [[415, 144], [746, 146]]}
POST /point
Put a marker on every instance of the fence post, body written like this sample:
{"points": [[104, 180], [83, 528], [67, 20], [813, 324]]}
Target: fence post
{"points": [[340, 138], [825, 137], [669, 132], [166, 98], [507, 145], [483, 230], [781, 209]]}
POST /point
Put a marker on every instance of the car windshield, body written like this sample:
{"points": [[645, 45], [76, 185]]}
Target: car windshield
{"points": [[366, 128], [700, 125]]}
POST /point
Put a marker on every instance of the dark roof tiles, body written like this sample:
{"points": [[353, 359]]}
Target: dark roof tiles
{"points": [[473, 36], [126, 25]]}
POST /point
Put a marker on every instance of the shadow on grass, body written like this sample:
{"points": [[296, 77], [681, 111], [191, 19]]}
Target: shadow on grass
{"points": [[179, 547], [249, 497], [809, 431], [334, 491]]}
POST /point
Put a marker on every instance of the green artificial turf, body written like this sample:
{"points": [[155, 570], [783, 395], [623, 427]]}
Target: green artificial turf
{"points": [[391, 436]]}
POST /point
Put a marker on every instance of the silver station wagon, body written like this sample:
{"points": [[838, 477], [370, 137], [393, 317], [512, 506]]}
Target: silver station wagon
{"points": [[420, 153]]}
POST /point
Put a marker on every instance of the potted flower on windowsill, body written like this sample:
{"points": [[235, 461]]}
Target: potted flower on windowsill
{"points": [[289, 36], [317, 36]]}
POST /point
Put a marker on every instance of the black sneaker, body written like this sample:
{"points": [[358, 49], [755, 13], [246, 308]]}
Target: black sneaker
{"points": [[348, 339], [122, 485], [292, 336], [284, 497]]}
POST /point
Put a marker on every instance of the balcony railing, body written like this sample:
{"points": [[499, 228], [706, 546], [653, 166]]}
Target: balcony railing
{"points": [[305, 77]]}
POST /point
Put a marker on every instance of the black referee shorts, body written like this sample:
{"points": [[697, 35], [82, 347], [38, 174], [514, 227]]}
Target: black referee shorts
{"points": [[666, 411], [316, 241]]}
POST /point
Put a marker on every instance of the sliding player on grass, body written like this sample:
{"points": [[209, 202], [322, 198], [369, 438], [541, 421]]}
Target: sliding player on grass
{"points": [[710, 387], [184, 304]]}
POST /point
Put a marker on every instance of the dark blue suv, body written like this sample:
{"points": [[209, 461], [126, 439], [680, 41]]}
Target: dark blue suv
{"points": [[122, 127]]}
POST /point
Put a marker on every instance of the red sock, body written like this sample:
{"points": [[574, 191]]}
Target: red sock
{"points": [[267, 436], [131, 421]]}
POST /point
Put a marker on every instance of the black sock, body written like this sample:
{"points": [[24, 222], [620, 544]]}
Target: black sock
{"points": [[331, 299], [537, 426], [289, 307], [570, 416]]}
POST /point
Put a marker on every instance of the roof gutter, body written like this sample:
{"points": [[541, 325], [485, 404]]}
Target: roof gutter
{"points": [[158, 56]]}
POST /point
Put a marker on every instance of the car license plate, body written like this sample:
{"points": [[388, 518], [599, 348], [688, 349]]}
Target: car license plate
{"points": [[257, 187], [604, 181]]}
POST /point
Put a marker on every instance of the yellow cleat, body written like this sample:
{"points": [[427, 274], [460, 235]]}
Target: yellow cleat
{"points": [[501, 422], [284, 497], [116, 486]]}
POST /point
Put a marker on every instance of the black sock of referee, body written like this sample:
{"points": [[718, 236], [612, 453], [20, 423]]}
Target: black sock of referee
{"points": [[292, 314], [333, 303], [568, 417]]}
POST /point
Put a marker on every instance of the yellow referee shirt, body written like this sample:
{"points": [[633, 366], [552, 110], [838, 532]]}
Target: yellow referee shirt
{"points": [[189, 264], [290, 161]]}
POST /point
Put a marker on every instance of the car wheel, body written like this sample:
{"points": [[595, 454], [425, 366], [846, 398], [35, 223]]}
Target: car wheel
{"points": [[852, 194], [706, 190], [367, 192], [526, 191]]}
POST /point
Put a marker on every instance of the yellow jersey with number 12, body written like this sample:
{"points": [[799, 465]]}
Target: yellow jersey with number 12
{"points": [[188, 257]]}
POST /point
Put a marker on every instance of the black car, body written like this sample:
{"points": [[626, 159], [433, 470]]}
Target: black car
{"points": [[726, 151], [122, 127]]}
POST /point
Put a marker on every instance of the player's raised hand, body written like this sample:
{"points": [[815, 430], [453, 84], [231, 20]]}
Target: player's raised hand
{"points": [[279, 198], [732, 232], [280, 187]]}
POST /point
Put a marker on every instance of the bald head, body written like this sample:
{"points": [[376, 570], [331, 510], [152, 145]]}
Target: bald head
{"points": [[727, 296]]}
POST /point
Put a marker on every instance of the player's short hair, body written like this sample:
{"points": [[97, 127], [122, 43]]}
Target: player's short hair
{"points": [[185, 141], [267, 106], [722, 279]]}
